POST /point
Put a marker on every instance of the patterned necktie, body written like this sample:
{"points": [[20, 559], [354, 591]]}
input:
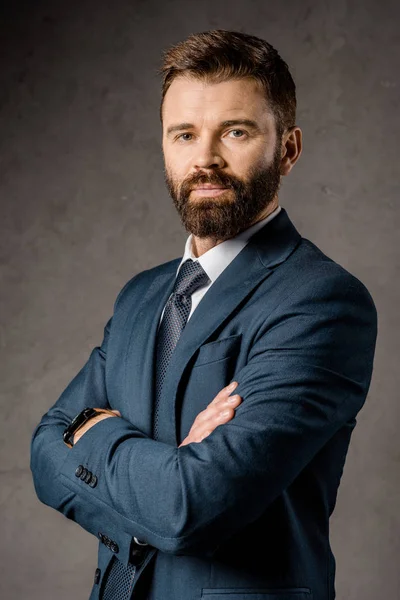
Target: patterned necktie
{"points": [[190, 277], [119, 581]]}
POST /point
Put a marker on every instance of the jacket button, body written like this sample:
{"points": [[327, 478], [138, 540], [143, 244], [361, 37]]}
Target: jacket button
{"points": [[84, 473], [114, 547], [79, 471], [93, 481], [97, 575], [88, 477]]}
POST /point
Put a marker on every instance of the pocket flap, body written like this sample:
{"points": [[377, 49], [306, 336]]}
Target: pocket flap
{"points": [[218, 349]]}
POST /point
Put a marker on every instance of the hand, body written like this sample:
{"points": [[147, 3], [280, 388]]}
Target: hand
{"points": [[207, 420], [92, 422]]}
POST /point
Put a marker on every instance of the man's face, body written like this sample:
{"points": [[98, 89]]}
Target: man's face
{"points": [[200, 149]]}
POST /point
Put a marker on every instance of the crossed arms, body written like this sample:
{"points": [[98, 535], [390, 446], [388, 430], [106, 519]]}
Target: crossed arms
{"points": [[308, 373]]}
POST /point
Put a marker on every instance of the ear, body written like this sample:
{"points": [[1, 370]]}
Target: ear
{"points": [[291, 148]]}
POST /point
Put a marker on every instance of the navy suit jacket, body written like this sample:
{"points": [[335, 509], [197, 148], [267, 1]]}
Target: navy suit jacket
{"points": [[243, 515]]}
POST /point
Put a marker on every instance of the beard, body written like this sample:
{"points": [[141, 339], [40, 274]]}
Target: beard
{"points": [[238, 207]]}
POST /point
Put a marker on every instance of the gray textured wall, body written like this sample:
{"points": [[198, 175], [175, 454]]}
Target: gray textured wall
{"points": [[84, 207]]}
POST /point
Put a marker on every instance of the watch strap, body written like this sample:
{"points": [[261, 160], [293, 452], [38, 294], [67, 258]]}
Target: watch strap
{"points": [[81, 418]]}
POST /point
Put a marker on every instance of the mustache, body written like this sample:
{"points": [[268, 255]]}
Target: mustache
{"points": [[210, 178]]}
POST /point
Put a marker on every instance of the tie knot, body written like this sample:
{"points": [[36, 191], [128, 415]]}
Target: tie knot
{"points": [[190, 277]]}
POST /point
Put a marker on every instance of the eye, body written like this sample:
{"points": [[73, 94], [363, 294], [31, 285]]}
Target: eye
{"points": [[179, 137], [240, 131]]}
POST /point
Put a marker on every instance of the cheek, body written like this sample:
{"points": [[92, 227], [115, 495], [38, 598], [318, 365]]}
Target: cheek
{"points": [[177, 167], [175, 177], [260, 158], [170, 167], [246, 153], [240, 163]]}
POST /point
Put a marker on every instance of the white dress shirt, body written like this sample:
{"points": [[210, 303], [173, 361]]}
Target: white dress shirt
{"points": [[216, 259]]}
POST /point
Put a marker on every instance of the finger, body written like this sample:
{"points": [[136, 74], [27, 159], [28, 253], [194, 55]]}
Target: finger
{"points": [[211, 413], [205, 434], [224, 393], [204, 429], [212, 417]]}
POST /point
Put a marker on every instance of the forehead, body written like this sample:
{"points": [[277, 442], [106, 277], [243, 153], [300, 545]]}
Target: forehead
{"points": [[191, 99]]}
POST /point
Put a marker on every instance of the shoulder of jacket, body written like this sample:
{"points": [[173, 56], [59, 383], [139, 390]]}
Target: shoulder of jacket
{"points": [[315, 263], [144, 278]]}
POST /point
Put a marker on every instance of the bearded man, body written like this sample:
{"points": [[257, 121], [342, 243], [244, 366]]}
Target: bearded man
{"points": [[204, 440]]}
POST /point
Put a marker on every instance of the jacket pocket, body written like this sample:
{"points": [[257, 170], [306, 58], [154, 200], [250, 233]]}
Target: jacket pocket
{"points": [[218, 350], [298, 593]]}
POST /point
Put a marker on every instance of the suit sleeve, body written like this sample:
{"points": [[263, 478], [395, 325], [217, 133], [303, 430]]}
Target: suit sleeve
{"points": [[48, 451], [308, 373]]}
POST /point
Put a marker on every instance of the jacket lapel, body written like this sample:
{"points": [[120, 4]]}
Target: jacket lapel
{"points": [[140, 353], [267, 248]]}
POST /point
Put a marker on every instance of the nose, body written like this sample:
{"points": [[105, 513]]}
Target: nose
{"points": [[207, 155]]}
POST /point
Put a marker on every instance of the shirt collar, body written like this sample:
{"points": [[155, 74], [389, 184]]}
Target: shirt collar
{"points": [[215, 260]]}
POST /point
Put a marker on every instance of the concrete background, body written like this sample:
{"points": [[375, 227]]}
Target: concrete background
{"points": [[84, 207]]}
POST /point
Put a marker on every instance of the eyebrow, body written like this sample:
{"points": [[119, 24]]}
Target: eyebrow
{"points": [[248, 122]]}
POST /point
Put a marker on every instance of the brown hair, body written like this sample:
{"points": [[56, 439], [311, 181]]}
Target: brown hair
{"points": [[219, 55]]}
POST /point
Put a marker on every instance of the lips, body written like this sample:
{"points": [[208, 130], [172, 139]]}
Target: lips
{"points": [[209, 191], [209, 187]]}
